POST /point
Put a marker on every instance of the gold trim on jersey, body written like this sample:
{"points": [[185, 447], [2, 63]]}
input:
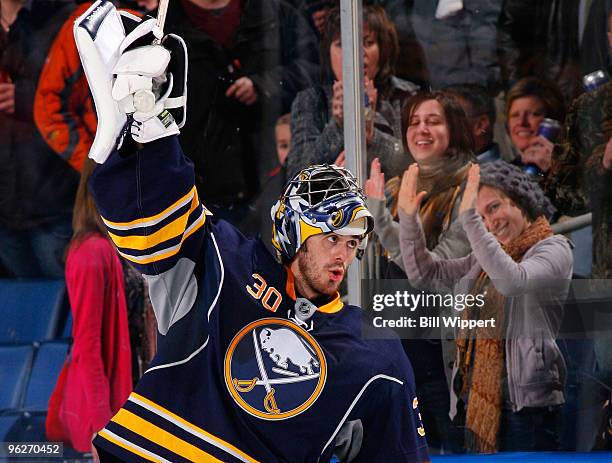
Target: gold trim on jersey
{"points": [[154, 219], [334, 306], [190, 427], [169, 231], [161, 437], [169, 252], [130, 447]]}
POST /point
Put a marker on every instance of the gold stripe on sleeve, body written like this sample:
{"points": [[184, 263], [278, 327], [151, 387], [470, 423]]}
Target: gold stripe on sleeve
{"points": [[166, 253], [154, 219], [169, 231]]}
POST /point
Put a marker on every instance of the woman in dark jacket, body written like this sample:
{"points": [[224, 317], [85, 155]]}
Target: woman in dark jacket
{"points": [[243, 76], [317, 113], [37, 186]]}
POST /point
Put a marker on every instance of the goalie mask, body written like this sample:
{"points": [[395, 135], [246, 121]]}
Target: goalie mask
{"points": [[320, 199]]}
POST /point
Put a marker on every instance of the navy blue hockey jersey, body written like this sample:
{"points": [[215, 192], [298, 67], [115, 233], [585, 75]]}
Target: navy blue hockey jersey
{"points": [[245, 371]]}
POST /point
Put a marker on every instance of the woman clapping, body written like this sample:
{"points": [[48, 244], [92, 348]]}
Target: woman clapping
{"points": [[510, 377]]}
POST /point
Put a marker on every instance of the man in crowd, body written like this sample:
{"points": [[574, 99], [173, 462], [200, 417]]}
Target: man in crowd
{"points": [[480, 110]]}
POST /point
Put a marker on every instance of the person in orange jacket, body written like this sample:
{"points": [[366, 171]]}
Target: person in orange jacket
{"points": [[63, 107]]}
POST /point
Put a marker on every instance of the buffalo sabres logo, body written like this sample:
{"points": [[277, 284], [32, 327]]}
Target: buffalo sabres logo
{"points": [[274, 369], [337, 217]]}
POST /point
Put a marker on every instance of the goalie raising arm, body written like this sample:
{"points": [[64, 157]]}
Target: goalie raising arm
{"points": [[256, 361]]}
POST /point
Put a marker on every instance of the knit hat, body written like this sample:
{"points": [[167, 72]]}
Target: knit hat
{"points": [[519, 186]]}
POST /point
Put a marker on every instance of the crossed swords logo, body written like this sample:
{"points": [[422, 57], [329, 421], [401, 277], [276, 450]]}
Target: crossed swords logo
{"points": [[247, 385]]}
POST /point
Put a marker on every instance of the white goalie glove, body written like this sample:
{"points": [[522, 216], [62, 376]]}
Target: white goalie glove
{"points": [[135, 85], [141, 79]]}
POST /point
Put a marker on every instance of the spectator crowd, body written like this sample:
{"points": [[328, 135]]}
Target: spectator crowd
{"points": [[486, 122]]}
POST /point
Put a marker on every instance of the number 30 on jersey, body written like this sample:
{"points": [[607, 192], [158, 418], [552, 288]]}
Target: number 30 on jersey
{"points": [[269, 296]]}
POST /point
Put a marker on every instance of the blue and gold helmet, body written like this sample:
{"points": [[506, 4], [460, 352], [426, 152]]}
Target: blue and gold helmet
{"points": [[320, 199]]}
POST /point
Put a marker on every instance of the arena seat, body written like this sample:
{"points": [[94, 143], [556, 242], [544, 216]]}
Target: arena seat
{"points": [[8, 423], [23, 426], [19, 426], [15, 367], [46, 368], [31, 310], [31, 427], [67, 330]]}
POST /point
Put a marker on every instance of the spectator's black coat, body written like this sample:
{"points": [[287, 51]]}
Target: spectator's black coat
{"points": [[36, 185], [541, 39], [277, 50]]}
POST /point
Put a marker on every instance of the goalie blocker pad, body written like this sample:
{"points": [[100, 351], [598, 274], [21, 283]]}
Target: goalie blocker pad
{"points": [[100, 35]]}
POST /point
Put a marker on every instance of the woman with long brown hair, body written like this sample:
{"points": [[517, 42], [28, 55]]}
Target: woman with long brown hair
{"points": [[97, 376], [438, 136]]}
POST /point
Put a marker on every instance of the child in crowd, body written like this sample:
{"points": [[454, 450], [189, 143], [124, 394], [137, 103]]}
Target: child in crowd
{"points": [[259, 222]]}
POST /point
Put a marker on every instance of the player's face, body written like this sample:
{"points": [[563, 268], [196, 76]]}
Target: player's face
{"points": [[501, 216], [322, 262]]}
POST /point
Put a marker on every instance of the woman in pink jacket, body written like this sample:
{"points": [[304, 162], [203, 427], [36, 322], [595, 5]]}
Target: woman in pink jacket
{"points": [[97, 376]]}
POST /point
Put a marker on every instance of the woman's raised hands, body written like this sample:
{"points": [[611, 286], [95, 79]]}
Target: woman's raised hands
{"points": [[375, 184], [471, 189], [409, 201]]}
